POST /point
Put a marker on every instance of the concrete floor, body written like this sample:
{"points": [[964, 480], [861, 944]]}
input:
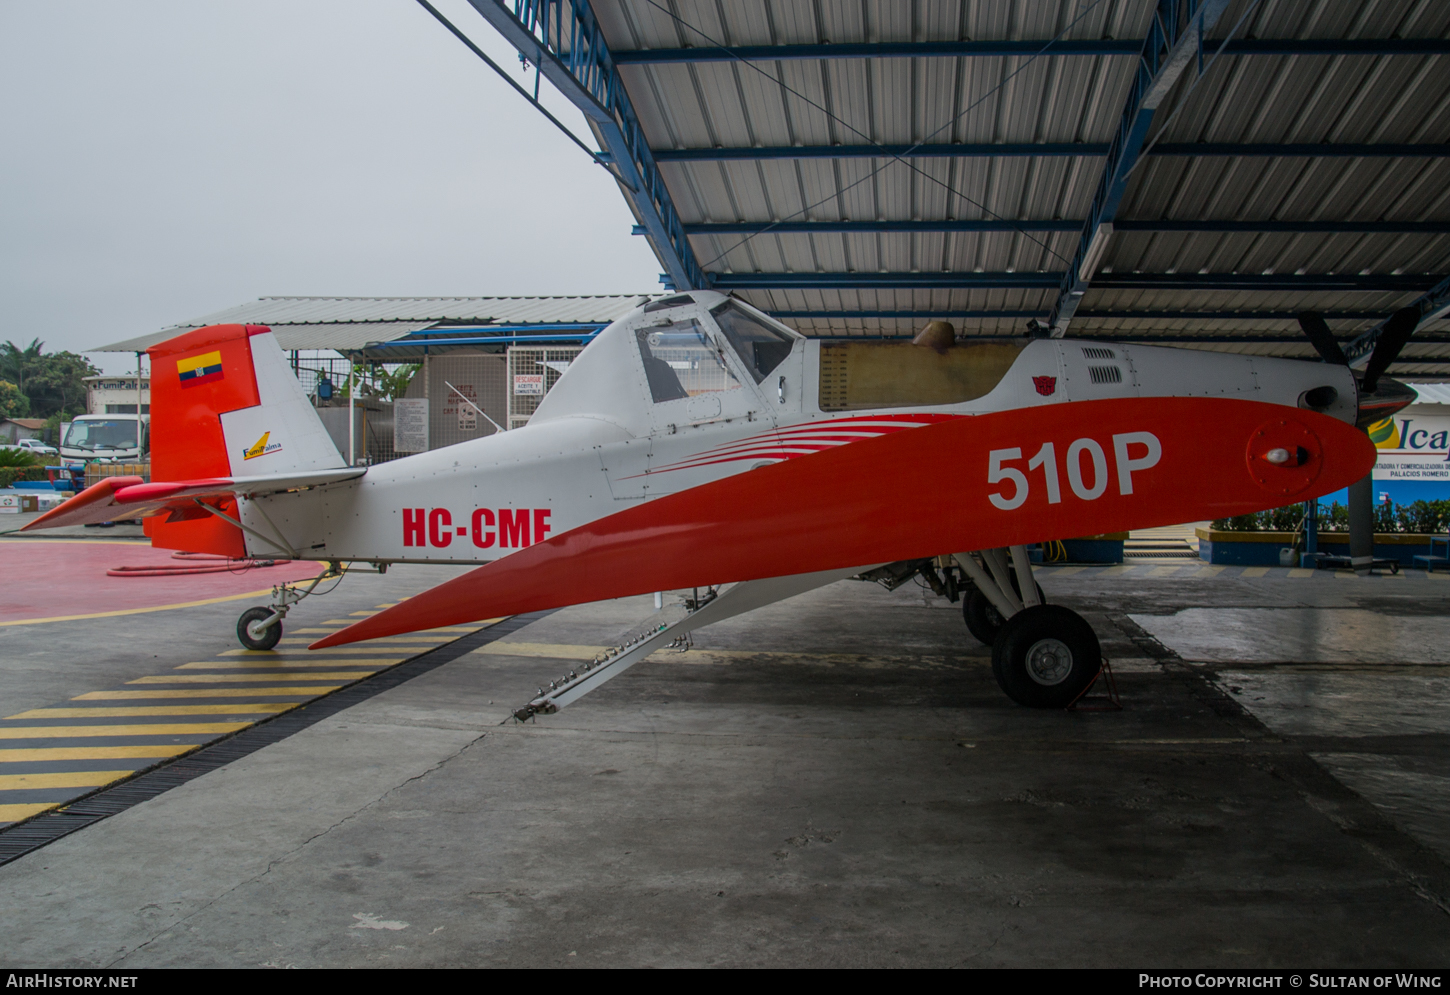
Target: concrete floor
{"points": [[832, 781]]}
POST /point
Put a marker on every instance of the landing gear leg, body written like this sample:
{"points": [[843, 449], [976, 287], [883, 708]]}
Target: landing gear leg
{"points": [[1043, 656], [996, 591], [260, 628]]}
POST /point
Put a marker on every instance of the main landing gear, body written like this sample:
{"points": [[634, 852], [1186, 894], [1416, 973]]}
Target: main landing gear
{"points": [[1043, 656], [260, 628]]}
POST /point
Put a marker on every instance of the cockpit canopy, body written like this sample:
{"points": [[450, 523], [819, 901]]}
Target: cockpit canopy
{"points": [[681, 359]]}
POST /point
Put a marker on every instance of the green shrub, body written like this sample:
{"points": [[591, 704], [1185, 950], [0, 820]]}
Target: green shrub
{"points": [[1421, 517], [17, 457], [10, 474]]}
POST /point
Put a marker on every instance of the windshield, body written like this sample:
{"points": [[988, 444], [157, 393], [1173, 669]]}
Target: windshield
{"points": [[760, 347], [94, 435], [680, 361]]}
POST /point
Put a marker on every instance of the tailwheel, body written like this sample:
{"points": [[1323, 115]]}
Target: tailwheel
{"points": [[1046, 656], [252, 635], [983, 619]]}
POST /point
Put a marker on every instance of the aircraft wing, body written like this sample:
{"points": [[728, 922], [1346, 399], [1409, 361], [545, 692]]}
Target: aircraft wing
{"points": [[114, 498]]}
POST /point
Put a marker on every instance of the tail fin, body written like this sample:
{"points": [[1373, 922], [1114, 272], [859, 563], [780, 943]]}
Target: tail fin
{"points": [[224, 403]]}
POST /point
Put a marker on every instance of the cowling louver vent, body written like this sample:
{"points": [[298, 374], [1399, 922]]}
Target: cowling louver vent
{"points": [[1105, 374], [1098, 352]]}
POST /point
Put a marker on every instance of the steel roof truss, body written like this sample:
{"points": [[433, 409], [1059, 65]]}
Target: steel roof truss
{"points": [[1175, 39], [1006, 47], [563, 39]]}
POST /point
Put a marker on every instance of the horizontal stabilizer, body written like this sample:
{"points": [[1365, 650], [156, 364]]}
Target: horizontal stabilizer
{"points": [[114, 498]]}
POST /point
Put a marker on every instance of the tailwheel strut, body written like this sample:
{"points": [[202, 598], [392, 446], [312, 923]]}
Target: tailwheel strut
{"points": [[260, 628]]}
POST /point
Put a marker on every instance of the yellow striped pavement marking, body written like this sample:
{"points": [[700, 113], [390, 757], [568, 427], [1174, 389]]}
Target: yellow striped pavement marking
{"points": [[1254, 571], [124, 711], [243, 677], [1345, 573], [1438, 575], [364, 613], [159, 729], [14, 813], [44, 753], [289, 663], [72, 779], [113, 543], [460, 629], [1118, 570], [137, 611], [1208, 571], [290, 692], [1164, 571], [1301, 572], [329, 675]]}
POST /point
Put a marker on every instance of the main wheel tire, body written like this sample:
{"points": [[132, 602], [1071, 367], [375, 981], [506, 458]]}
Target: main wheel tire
{"points": [[269, 636], [1046, 656], [983, 619]]}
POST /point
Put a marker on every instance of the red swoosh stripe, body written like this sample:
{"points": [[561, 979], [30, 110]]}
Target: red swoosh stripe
{"points": [[901, 496]]}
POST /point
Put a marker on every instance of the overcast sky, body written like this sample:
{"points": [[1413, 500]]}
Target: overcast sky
{"points": [[163, 160]]}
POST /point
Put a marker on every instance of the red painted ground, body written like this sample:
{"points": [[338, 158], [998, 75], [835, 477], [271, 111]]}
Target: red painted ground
{"points": [[42, 578]]}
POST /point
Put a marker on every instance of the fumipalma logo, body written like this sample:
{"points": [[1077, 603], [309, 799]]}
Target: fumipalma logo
{"points": [[262, 447]]}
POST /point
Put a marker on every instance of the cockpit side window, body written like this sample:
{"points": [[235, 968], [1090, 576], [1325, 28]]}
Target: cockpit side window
{"points": [[681, 361], [761, 348]]}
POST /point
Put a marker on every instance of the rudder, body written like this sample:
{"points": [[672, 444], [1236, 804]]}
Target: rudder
{"points": [[224, 403]]}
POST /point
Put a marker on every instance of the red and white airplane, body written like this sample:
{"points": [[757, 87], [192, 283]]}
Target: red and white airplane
{"points": [[696, 442]]}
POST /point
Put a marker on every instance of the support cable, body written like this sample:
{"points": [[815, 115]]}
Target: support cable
{"points": [[887, 154], [509, 80]]}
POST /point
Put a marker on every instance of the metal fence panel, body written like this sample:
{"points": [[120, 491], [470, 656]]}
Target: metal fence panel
{"points": [[532, 373]]}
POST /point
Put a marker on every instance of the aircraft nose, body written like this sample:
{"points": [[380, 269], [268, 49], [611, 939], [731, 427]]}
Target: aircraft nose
{"points": [[1387, 397]]}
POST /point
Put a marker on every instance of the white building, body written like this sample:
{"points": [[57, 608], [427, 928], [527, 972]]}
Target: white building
{"points": [[116, 395]]}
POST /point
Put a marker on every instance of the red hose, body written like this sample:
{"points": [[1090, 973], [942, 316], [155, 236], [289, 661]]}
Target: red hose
{"points": [[197, 563]]}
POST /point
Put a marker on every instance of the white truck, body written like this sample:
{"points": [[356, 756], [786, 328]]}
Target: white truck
{"points": [[113, 438]]}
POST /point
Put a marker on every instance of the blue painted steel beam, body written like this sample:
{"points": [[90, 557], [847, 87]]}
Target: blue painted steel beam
{"points": [[998, 225], [1434, 304], [1152, 339], [563, 39], [985, 150], [927, 314], [767, 281], [1175, 38], [587, 327], [847, 227], [483, 340], [959, 49], [1106, 281], [942, 150]]}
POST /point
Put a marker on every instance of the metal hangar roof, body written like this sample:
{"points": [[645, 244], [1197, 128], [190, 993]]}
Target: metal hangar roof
{"points": [[1178, 171], [404, 328]]}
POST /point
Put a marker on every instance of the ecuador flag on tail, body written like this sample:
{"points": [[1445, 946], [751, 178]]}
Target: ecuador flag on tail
{"points": [[200, 369]]}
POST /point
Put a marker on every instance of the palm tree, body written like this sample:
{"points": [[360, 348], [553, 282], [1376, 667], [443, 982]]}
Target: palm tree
{"points": [[15, 362]]}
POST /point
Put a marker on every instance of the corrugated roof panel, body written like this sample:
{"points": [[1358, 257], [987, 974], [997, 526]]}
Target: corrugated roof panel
{"points": [[341, 336], [345, 323], [296, 310]]}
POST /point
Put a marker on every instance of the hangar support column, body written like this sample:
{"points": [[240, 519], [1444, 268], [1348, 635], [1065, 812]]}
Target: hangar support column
{"points": [[1361, 523]]}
